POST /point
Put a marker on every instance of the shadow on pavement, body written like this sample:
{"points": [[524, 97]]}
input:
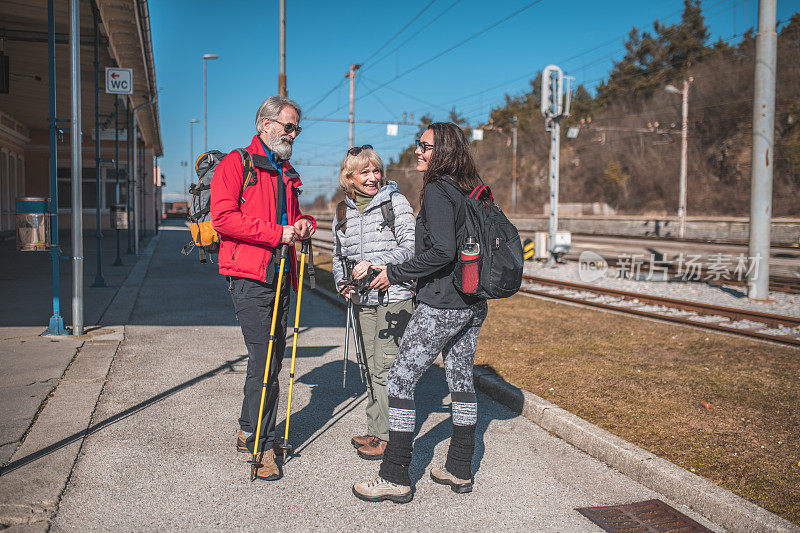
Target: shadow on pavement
{"points": [[94, 428], [324, 408]]}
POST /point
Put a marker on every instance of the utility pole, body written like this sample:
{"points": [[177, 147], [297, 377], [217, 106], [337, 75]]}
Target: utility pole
{"points": [[514, 124], [282, 46], [684, 150], [554, 109], [352, 75], [763, 150]]}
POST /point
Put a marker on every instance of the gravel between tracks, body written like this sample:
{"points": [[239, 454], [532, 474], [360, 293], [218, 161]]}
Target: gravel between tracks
{"points": [[725, 295]]}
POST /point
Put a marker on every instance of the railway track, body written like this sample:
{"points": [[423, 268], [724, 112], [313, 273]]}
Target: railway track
{"points": [[754, 324]]}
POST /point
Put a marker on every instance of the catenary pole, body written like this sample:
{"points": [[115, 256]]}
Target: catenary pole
{"points": [[77, 167], [763, 150], [352, 75], [282, 45]]}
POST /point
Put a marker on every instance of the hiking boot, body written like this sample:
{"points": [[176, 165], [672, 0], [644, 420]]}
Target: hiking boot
{"points": [[379, 489], [372, 450], [363, 440], [267, 469], [443, 477], [241, 442]]}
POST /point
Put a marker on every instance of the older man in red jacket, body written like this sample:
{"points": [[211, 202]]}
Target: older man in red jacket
{"points": [[251, 225]]}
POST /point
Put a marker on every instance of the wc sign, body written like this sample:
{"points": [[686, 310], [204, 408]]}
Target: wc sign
{"points": [[119, 81]]}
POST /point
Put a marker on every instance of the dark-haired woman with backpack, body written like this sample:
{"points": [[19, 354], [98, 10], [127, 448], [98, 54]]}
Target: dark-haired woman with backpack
{"points": [[446, 320]]}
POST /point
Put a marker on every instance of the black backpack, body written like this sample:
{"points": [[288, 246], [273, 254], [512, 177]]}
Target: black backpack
{"points": [[500, 257]]}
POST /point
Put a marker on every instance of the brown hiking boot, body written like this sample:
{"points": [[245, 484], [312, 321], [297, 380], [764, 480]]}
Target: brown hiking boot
{"points": [[443, 477], [379, 490], [363, 440], [241, 442], [373, 449], [267, 468]]}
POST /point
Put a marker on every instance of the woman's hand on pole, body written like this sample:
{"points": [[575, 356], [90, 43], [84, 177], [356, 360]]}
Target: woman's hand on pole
{"points": [[381, 282], [361, 269]]}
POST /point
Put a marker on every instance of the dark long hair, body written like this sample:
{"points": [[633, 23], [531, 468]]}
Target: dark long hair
{"points": [[451, 157]]}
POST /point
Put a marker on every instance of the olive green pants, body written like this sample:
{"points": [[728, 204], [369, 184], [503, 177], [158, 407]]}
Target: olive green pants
{"points": [[380, 328]]}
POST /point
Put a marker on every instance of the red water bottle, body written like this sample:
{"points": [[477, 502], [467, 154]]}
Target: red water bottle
{"points": [[469, 265]]}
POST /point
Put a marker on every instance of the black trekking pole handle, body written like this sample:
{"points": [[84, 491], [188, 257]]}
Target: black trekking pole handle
{"points": [[306, 248]]}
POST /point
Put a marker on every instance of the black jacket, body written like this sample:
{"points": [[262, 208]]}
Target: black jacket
{"points": [[439, 231]]}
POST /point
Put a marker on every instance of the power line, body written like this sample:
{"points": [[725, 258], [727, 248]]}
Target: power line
{"points": [[449, 49], [395, 49], [415, 17]]}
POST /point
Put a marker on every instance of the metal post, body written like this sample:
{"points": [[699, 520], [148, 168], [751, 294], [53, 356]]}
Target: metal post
{"points": [[205, 101], [140, 181], [136, 173], [282, 45], [99, 281], [555, 141], [192, 122], [77, 168], [128, 174], [352, 76], [684, 150], [514, 165], [118, 260], [763, 150], [56, 326]]}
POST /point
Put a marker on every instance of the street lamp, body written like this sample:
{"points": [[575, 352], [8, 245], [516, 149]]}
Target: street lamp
{"points": [[192, 122], [205, 101], [185, 164], [684, 146]]}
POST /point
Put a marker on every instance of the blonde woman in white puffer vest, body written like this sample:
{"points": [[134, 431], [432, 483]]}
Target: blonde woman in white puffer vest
{"points": [[362, 233]]}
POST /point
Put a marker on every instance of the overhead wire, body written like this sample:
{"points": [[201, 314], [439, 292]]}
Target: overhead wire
{"points": [[450, 49], [420, 30], [415, 17]]}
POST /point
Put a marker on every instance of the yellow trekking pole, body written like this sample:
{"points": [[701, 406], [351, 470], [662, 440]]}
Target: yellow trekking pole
{"points": [[306, 249], [254, 463]]}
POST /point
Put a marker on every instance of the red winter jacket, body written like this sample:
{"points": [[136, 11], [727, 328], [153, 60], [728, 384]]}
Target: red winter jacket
{"points": [[247, 230]]}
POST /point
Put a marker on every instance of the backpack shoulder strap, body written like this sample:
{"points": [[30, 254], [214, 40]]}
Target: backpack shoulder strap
{"points": [[249, 177], [387, 210], [341, 217]]}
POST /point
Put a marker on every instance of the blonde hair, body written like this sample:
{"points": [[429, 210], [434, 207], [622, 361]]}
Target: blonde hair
{"points": [[356, 163]]}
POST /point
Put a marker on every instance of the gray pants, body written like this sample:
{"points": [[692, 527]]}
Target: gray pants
{"points": [[380, 328]]}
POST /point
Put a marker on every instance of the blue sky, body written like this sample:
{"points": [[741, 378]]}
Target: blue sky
{"points": [[583, 37]]}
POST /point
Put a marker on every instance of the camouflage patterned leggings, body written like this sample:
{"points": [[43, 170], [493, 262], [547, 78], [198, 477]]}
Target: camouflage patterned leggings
{"points": [[454, 333]]}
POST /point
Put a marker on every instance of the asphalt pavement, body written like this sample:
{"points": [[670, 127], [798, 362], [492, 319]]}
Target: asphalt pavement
{"points": [[160, 453]]}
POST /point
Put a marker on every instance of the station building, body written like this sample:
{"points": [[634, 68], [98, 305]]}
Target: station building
{"points": [[113, 33]]}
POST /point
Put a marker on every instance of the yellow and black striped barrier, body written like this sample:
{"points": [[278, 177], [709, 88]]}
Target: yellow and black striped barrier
{"points": [[527, 250]]}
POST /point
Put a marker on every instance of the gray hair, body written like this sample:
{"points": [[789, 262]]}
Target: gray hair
{"points": [[272, 107]]}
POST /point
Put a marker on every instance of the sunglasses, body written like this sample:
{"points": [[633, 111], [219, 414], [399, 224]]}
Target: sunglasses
{"points": [[424, 146], [288, 127], [355, 150]]}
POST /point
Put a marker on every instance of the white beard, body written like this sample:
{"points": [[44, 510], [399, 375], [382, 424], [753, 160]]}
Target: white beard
{"points": [[280, 145]]}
